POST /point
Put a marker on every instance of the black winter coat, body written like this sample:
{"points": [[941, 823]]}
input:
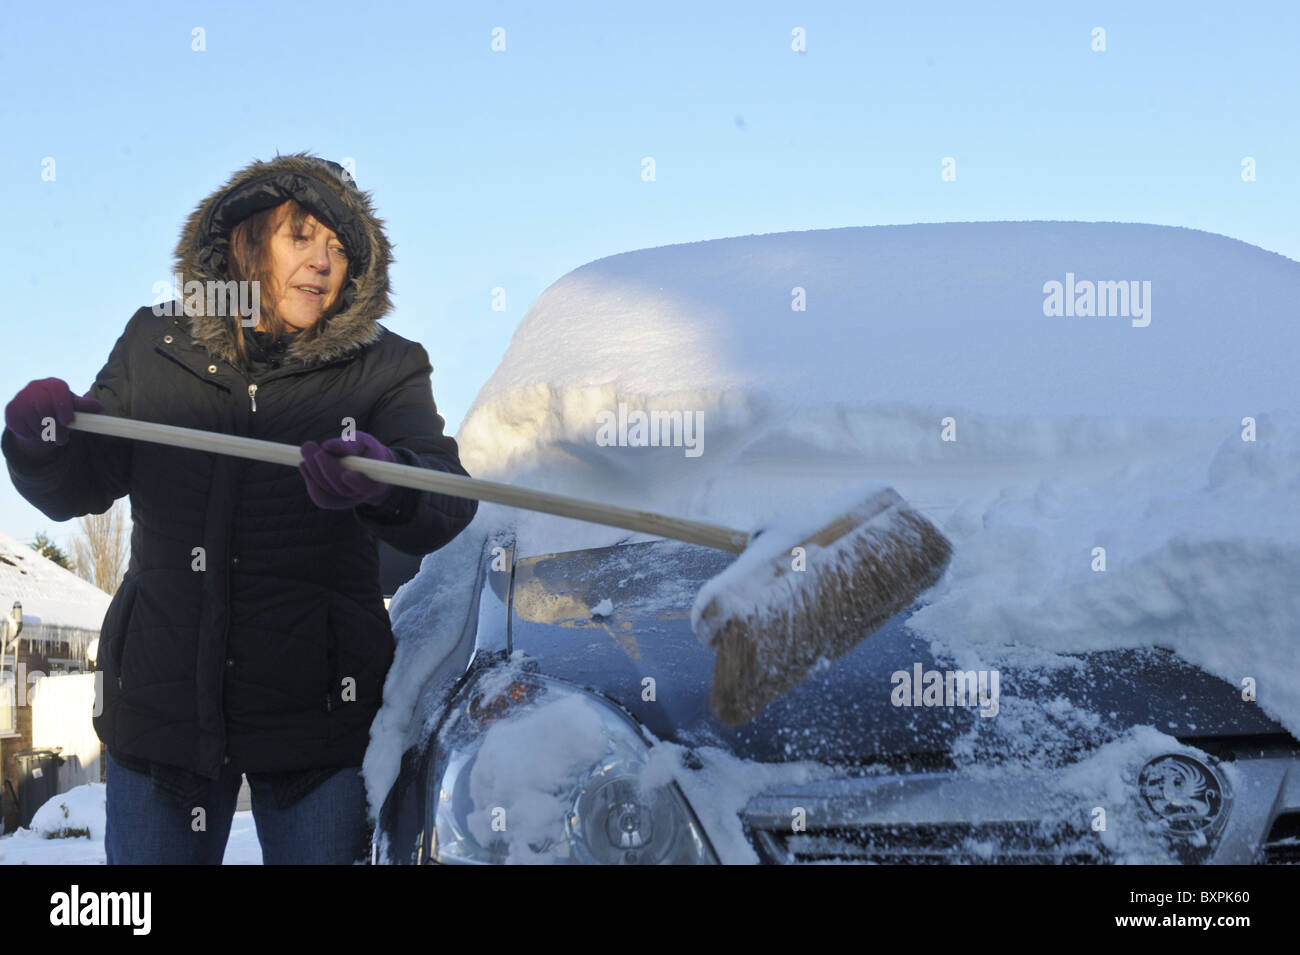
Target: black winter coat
{"points": [[251, 624]]}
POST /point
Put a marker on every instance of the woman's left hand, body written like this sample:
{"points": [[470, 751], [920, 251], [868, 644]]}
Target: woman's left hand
{"points": [[333, 486]]}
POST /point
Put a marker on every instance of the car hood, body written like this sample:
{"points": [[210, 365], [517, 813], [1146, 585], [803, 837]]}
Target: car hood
{"points": [[639, 650]]}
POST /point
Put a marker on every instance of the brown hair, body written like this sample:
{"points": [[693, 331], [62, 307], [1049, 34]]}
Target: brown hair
{"points": [[249, 260]]}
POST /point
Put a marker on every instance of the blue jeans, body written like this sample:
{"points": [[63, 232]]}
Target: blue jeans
{"points": [[143, 826]]}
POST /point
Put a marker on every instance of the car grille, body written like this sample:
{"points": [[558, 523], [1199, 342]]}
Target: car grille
{"points": [[942, 816], [1008, 843], [1282, 847]]}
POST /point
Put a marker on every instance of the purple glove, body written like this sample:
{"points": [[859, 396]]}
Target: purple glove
{"points": [[333, 486], [46, 398]]}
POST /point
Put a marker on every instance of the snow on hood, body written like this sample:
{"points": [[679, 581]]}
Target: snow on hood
{"points": [[1068, 432]]}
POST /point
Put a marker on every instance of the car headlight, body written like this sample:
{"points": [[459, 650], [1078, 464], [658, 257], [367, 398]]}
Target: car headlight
{"points": [[529, 769]]}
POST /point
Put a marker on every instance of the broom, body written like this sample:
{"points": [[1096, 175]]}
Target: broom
{"points": [[802, 593]]}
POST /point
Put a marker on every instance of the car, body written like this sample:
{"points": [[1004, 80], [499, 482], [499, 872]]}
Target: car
{"points": [[1104, 674], [899, 782]]}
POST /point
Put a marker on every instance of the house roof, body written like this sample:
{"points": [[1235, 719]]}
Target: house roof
{"points": [[50, 595]]}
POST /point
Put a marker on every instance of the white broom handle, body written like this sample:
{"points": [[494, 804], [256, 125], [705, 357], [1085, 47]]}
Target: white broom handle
{"points": [[423, 479]]}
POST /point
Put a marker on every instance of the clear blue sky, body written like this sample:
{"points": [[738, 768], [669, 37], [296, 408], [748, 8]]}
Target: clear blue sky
{"points": [[509, 169]]}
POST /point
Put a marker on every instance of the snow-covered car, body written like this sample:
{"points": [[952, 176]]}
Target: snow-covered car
{"points": [[1105, 674], [552, 746]]}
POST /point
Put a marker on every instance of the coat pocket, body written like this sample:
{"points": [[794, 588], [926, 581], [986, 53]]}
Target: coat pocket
{"points": [[360, 651], [334, 695], [114, 630], [108, 659]]}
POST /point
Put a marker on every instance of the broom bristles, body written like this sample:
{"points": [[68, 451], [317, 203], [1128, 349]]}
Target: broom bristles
{"points": [[848, 590]]}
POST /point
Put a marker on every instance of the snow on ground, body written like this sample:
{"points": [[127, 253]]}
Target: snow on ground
{"points": [[56, 834], [80, 809], [1068, 432]]}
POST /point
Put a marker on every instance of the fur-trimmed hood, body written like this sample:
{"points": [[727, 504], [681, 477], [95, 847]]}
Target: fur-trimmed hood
{"points": [[328, 191]]}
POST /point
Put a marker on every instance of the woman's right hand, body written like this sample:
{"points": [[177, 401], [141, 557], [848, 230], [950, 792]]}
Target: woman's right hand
{"points": [[46, 398]]}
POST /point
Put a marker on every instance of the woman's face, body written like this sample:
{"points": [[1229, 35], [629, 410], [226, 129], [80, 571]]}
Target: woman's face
{"points": [[308, 269]]}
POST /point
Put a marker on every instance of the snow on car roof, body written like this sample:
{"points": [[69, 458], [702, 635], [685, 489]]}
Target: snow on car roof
{"points": [[946, 317]]}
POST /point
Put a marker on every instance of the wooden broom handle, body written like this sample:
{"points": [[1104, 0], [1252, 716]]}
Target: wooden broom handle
{"points": [[422, 479]]}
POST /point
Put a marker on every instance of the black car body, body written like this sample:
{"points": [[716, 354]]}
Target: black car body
{"points": [[1122, 755]]}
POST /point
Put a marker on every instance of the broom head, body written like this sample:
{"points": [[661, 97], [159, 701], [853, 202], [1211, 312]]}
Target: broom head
{"points": [[795, 600]]}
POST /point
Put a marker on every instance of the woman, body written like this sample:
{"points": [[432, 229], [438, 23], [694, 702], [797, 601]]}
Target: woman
{"points": [[249, 634]]}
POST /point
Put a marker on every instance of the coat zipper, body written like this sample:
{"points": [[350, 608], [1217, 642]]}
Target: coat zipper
{"points": [[230, 587], [329, 666]]}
